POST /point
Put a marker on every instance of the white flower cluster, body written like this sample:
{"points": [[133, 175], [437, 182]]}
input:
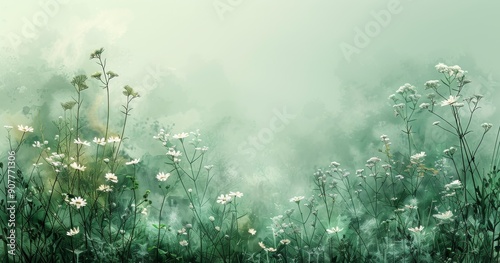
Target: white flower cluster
{"points": [[406, 88], [452, 71], [417, 158], [432, 84]]}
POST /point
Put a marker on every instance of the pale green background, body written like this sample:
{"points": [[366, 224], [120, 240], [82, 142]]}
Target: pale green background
{"points": [[226, 74]]}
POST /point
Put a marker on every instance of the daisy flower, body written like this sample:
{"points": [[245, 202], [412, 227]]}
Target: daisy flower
{"points": [[111, 177], [450, 101], [99, 141], [181, 136], [114, 139], [416, 229], [296, 199], [78, 202], [76, 166], [444, 216], [78, 141], [104, 188], [162, 176], [25, 128], [285, 241], [236, 194], [334, 230], [223, 199]]}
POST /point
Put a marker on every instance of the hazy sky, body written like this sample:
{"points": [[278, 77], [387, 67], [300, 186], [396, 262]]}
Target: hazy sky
{"points": [[330, 64]]}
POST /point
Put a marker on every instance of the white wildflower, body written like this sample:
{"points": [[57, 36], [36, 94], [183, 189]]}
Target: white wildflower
{"points": [[104, 188], [78, 141], [441, 68], [399, 105], [24, 128], [174, 153], [223, 199], [424, 105], [411, 207], [73, 231], [162, 176], [334, 230], [114, 139], [296, 199], [99, 141], [373, 160], [416, 229], [236, 194], [76, 166], [285, 241], [432, 84], [450, 101], [453, 185], [135, 161], [444, 216], [416, 158], [78, 202], [486, 126], [181, 136], [406, 88], [335, 164], [111, 177]]}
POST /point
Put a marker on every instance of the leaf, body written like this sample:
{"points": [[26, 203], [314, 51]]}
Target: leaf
{"points": [[151, 248], [490, 226], [161, 226], [79, 82]]}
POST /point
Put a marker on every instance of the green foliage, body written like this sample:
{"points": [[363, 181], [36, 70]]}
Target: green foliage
{"points": [[84, 202]]}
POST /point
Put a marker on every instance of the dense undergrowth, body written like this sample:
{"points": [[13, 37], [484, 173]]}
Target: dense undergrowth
{"points": [[78, 196]]}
